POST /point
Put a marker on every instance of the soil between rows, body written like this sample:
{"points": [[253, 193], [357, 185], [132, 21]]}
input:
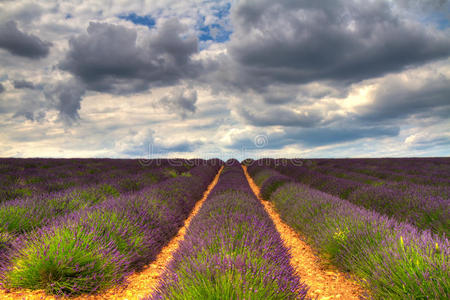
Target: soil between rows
{"points": [[324, 281]]}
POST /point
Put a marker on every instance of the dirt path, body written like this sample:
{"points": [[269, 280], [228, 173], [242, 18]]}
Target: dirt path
{"points": [[325, 282], [139, 284]]}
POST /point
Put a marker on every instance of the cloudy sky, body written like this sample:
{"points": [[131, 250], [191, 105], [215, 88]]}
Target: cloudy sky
{"points": [[286, 78]]}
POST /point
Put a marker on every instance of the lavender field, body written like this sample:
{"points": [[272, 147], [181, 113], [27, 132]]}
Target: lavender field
{"points": [[384, 220], [80, 227], [296, 149]]}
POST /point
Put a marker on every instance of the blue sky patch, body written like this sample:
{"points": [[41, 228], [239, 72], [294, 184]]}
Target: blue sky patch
{"points": [[443, 22], [222, 11], [219, 31], [439, 19], [214, 32], [139, 20]]}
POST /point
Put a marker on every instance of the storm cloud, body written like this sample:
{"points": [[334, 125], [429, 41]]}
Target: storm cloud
{"points": [[22, 44], [23, 84], [108, 58], [282, 116], [180, 101], [347, 41], [340, 133], [66, 98], [313, 137]]}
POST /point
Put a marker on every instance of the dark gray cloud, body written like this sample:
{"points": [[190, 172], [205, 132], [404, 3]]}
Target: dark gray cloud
{"points": [[22, 44], [431, 143], [313, 137], [66, 98], [346, 41], [282, 93], [185, 146], [180, 101], [36, 101], [23, 84], [318, 136], [440, 5], [29, 115], [2, 89], [281, 116], [31, 105], [109, 59], [396, 99]]}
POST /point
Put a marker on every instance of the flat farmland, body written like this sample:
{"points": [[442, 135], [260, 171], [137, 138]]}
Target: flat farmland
{"points": [[209, 229]]}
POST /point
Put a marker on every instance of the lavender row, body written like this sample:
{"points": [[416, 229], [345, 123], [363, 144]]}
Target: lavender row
{"points": [[410, 203], [231, 250], [26, 177], [413, 166], [95, 248], [393, 260], [439, 190], [426, 171], [25, 214], [434, 172]]}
